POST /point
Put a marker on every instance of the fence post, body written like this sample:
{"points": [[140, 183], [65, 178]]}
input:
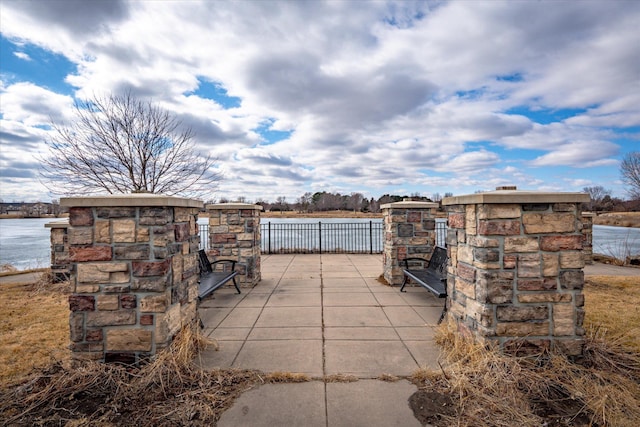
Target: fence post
{"points": [[320, 235], [370, 237], [269, 230]]}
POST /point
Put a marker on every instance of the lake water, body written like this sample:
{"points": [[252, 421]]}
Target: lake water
{"points": [[24, 243]]}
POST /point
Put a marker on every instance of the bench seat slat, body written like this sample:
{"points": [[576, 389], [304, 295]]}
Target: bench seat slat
{"points": [[433, 277], [211, 279], [429, 280]]}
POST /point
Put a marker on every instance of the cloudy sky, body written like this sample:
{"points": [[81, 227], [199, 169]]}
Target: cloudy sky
{"points": [[375, 97]]}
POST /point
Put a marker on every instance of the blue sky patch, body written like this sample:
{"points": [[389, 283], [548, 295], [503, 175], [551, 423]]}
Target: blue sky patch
{"points": [[216, 92], [269, 135], [28, 62], [545, 116], [470, 94], [515, 77]]}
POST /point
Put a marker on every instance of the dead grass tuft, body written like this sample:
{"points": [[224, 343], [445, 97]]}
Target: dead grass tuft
{"points": [[382, 280], [286, 377], [492, 389], [388, 378], [171, 390], [340, 378], [7, 268]]}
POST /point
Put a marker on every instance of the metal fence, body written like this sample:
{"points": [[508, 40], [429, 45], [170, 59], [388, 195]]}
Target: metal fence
{"points": [[323, 237]]}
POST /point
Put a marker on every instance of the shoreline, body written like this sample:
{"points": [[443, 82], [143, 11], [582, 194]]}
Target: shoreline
{"points": [[613, 219]]}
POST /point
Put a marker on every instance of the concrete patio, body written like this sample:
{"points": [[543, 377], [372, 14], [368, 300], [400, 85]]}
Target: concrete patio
{"points": [[323, 315]]}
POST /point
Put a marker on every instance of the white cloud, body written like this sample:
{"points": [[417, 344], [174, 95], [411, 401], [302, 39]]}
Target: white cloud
{"points": [[22, 56], [376, 94], [579, 154]]}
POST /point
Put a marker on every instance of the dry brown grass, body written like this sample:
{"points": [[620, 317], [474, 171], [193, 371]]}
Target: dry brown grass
{"points": [[285, 377], [612, 308], [172, 390], [34, 327], [620, 219], [340, 378], [492, 389], [602, 389]]}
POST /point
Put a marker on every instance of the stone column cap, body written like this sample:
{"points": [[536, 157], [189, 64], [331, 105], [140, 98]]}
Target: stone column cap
{"points": [[516, 196], [225, 206], [130, 200], [410, 204]]}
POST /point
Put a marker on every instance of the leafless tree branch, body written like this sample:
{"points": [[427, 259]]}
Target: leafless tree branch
{"points": [[630, 170], [120, 144]]}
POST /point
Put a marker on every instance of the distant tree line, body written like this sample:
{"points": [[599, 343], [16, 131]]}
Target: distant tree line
{"points": [[32, 210], [602, 201], [323, 201]]}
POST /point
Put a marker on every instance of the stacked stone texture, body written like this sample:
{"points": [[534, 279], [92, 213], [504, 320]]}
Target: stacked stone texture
{"points": [[134, 274], [409, 231], [59, 250], [234, 234], [516, 274]]}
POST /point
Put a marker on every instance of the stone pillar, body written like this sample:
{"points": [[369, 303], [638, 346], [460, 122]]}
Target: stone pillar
{"points": [[59, 250], [134, 274], [587, 231], [516, 269], [234, 233], [409, 231]]}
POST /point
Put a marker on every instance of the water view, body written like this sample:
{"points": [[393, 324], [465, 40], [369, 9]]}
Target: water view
{"points": [[24, 243]]}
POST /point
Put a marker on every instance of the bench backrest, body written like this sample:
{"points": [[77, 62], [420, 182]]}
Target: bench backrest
{"points": [[438, 262]]}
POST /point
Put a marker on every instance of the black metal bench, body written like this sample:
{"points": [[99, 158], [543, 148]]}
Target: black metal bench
{"points": [[212, 278], [433, 277]]}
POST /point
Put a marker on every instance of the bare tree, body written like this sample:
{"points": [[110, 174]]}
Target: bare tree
{"points": [[354, 202], [120, 144], [597, 194], [630, 170]]}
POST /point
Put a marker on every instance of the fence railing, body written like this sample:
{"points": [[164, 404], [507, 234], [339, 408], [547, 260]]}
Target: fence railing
{"points": [[323, 237]]}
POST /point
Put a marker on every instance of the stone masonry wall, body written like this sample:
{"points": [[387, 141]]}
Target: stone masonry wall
{"points": [[59, 250], [134, 273], [409, 231], [234, 233], [516, 271]]}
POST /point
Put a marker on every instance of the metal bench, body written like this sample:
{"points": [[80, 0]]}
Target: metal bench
{"points": [[212, 278], [433, 277]]}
